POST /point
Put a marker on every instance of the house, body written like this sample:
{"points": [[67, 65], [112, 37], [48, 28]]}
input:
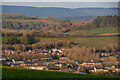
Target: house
{"points": [[50, 66], [8, 51], [67, 70], [12, 62], [104, 55], [113, 68], [45, 50], [13, 52], [92, 63], [46, 58], [117, 68], [63, 58], [45, 53], [3, 61], [35, 59], [55, 68], [60, 51], [19, 50], [22, 64], [58, 64], [9, 62], [69, 66], [96, 70], [42, 68], [50, 51], [47, 62], [30, 64], [54, 49], [29, 51], [105, 70], [19, 61], [14, 65], [38, 67], [110, 67], [58, 54]]}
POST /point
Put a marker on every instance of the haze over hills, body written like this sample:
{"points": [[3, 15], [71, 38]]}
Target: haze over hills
{"points": [[67, 13]]}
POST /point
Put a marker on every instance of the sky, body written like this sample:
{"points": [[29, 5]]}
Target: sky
{"points": [[59, 0], [64, 4]]}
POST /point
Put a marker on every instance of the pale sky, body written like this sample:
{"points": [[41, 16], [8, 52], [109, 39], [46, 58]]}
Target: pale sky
{"points": [[64, 4], [60, 0]]}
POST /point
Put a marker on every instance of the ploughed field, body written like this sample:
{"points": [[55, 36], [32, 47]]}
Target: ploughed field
{"points": [[9, 72]]}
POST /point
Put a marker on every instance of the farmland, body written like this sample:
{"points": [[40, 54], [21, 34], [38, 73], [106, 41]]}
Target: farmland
{"points": [[32, 38], [94, 32], [97, 42]]}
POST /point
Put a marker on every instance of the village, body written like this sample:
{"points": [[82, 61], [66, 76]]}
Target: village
{"points": [[54, 60]]}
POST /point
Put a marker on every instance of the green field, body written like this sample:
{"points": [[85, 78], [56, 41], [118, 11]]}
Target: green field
{"points": [[8, 72], [98, 42], [97, 31], [90, 32]]}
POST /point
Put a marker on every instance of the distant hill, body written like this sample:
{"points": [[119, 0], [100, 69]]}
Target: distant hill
{"points": [[55, 25], [67, 13]]}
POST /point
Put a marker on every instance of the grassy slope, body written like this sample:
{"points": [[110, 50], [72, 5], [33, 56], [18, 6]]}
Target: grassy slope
{"points": [[8, 72], [97, 42], [98, 31]]}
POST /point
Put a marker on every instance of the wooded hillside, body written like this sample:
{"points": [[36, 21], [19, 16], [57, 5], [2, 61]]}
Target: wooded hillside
{"points": [[55, 25]]}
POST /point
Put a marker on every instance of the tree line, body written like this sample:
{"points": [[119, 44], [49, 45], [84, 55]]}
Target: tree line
{"points": [[56, 25], [13, 39], [23, 47], [18, 16], [86, 53]]}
